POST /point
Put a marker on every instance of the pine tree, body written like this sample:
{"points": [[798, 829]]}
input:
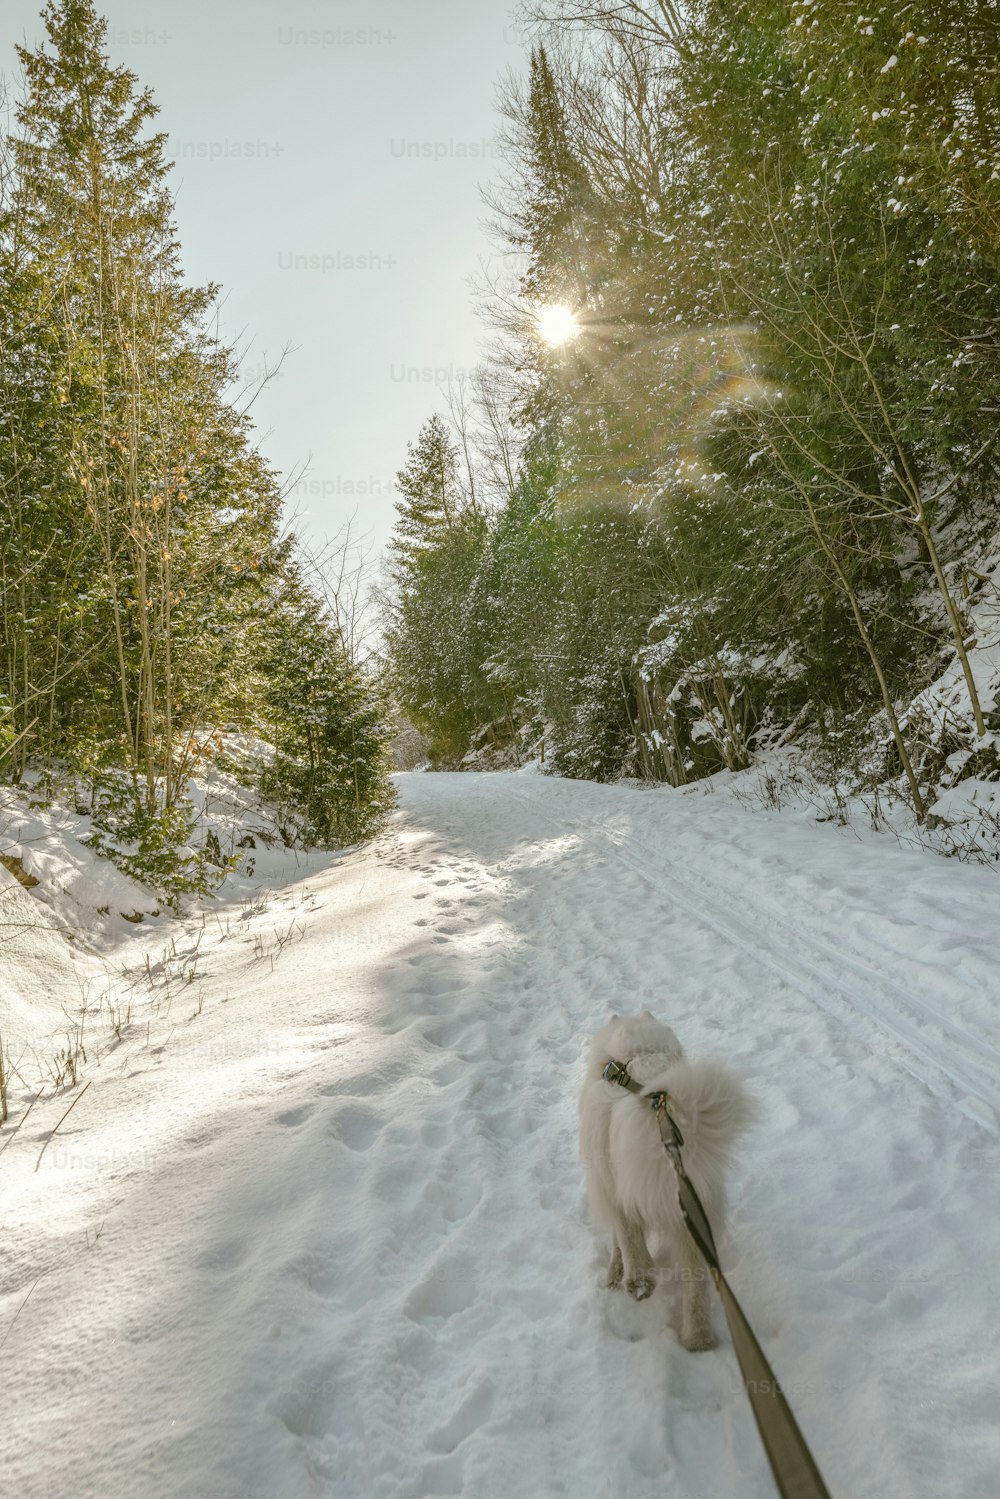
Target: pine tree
{"points": [[433, 502], [558, 216], [145, 591], [123, 464], [326, 719], [432, 619]]}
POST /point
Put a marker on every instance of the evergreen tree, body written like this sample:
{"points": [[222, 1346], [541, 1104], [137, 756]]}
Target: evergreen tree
{"points": [[141, 564], [326, 720], [436, 648], [558, 211], [434, 618], [777, 430], [126, 378], [433, 502], [141, 518]]}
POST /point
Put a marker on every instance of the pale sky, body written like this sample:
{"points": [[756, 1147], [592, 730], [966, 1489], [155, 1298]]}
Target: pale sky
{"points": [[329, 157]]}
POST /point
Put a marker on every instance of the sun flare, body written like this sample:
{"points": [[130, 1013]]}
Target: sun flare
{"points": [[557, 324]]}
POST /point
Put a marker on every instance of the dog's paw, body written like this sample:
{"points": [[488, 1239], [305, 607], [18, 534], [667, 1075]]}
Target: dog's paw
{"points": [[616, 1271], [702, 1341], [641, 1285]]}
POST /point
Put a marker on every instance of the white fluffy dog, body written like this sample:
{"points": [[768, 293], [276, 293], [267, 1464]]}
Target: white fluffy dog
{"points": [[630, 1180]]}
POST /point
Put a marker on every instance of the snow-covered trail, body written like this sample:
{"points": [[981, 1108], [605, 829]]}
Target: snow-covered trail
{"points": [[342, 1247]]}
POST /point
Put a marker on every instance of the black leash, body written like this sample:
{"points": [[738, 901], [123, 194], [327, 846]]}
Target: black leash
{"points": [[795, 1472]]}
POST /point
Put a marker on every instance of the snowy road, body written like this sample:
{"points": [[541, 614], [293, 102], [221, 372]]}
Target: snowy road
{"points": [[321, 1232]]}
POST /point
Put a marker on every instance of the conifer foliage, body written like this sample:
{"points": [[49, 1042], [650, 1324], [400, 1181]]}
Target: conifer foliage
{"points": [[767, 509], [433, 504], [141, 560], [433, 621]]}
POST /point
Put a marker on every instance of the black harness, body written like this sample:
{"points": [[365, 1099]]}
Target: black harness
{"points": [[795, 1472]]}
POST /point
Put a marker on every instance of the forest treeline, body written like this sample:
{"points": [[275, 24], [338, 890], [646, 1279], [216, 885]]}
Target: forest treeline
{"points": [[750, 495], [147, 591]]}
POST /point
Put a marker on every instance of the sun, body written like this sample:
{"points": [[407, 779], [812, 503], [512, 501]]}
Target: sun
{"points": [[556, 323]]}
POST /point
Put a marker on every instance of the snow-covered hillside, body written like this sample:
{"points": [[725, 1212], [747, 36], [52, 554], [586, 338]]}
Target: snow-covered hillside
{"points": [[317, 1227]]}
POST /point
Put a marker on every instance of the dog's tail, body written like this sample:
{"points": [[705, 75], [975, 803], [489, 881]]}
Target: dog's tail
{"points": [[711, 1108]]}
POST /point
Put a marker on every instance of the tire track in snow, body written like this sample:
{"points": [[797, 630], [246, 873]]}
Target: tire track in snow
{"points": [[964, 1072], [972, 1046]]}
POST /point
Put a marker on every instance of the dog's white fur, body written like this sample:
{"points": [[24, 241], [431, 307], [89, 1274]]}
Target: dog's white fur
{"points": [[630, 1181]]}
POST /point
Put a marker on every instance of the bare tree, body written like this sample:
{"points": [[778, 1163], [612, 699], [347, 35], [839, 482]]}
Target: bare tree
{"points": [[653, 22], [494, 394], [459, 397], [342, 572]]}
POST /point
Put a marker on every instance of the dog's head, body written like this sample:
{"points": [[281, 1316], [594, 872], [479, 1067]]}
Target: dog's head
{"points": [[626, 1037]]}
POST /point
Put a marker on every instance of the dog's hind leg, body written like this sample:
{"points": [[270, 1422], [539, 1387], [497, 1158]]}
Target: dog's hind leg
{"points": [[616, 1269], [630, 1242]]}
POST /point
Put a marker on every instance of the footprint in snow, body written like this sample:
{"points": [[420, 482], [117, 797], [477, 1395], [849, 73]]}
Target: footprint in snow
{"points": [[549, 1199], [417, 1350], [454, 1200], [445, 1033], [317, 1404], [318, 1269], [624, 1318], [357, 1127], [445, 1291], [437, 1479], [450, 1071], [292, 1117], [473, 1412]]}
